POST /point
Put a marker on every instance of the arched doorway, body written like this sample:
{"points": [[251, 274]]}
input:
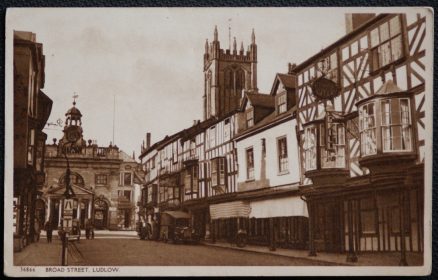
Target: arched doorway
{"points": [[100, 214]]}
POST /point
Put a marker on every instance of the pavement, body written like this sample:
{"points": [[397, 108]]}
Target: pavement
{"points": [[107, 246], [364, 258]]}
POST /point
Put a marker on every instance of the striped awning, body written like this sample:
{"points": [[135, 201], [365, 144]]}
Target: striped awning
{"points": [[229, 210], [279, 207]]}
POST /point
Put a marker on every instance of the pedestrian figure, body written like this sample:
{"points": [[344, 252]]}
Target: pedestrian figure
{"points": [[49, 231], [92, 230], [37, 230], [89, 233]]}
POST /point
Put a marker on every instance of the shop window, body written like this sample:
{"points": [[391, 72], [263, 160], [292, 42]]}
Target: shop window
{"points": [[396, 125], [396, 220], [310, 147], [368, 217], [101, 179], [250, 118], [218, 171], [283, 164], [386, 43], [282, 103], [250, 164], [367, 129]]}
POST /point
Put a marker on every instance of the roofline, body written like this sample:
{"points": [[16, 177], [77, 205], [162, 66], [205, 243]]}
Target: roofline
{"points": [[343, 39]]}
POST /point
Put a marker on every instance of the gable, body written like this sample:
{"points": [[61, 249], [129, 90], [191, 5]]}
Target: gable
{"points": [[59, 190]]}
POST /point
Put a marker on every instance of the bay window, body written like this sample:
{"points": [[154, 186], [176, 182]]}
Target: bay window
{"points": [[396, 125], [385, 124], [310, 147], [332, 146], [367, 129]]}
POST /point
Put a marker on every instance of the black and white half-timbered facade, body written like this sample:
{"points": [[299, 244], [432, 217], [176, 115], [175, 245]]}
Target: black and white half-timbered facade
{"points": [[332, 159], [361, 126]]}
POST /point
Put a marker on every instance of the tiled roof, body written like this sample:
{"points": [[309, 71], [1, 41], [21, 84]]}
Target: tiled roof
{"points": [[388, 88], [261, 100], [125, 157], [272, 117], [287, 80]]}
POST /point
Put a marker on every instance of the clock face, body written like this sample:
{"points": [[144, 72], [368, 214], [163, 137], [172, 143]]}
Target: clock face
{"points": [[73, 134]]}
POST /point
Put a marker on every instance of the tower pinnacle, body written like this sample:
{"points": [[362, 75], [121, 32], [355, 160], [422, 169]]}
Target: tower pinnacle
{"points": [[234, 45], [253, 37], [215, 33]]}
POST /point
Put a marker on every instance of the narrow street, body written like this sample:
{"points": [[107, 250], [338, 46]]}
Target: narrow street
{"points": [[141, 252], [124, 248]]}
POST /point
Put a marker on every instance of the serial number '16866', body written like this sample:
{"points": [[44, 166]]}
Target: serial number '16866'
{"points": [[27, 269]]}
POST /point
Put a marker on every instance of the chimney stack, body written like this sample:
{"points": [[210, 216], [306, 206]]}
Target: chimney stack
{"points": [[354, 20], [148, 140]]}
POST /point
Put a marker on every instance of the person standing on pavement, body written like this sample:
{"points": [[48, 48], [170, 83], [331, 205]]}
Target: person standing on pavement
{"points": [[37, 230], [87, 228], [49, 231]]}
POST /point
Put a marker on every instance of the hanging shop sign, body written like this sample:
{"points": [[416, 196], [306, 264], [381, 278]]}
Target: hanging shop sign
{"points": [[324, 88]]}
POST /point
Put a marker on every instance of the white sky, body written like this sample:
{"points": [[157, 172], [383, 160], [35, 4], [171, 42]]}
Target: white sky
{"points": [[152, 60]]}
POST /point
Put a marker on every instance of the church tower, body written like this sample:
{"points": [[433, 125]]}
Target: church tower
{"points": [[226, 74]]}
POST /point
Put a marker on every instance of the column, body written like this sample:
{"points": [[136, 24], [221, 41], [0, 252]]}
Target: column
{"points": [[49, 209], [312, 216], [351, 255], [403, 261], [60, 212], [90, 204], [78, 211]]}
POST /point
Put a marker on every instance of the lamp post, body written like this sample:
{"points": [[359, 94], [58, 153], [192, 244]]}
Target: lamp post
{"points": [[68, 194]]}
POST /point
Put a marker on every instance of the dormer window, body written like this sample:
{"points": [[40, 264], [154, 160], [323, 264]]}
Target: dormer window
{"points": [[281, 103], [250, 117]]}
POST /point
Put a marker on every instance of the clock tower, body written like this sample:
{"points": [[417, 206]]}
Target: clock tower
{"points": [[72, 141]]}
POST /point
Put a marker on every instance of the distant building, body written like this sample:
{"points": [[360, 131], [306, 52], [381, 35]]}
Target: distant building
{"points": [[102, 179], [31, 111]]}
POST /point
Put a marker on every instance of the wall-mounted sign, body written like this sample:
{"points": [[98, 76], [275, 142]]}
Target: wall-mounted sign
{"points": [[324, 88]]}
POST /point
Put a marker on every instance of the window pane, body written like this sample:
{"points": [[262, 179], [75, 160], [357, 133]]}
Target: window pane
{"points": [[127, 179], [394, 26], [384, 54], [396, 135], [374, 37], [384, 32], [397, 49], [386, 112]]}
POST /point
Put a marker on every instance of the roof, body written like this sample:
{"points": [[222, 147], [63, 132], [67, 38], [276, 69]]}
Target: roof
{"points": [[271, 118], [387, 88], [287, 80], [73, 111], [261, 100], [125, 157]]}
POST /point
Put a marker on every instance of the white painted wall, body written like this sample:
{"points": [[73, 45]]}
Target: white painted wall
{"points": [[272, 169]]}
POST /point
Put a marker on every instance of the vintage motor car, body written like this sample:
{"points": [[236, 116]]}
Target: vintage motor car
{"points": [[172, 226]]}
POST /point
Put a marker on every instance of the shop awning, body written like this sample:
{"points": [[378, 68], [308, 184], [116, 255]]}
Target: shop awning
{"points": [[229, 210], [279, 207]]}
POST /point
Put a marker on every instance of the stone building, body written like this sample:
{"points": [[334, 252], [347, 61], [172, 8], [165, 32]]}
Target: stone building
{"points": [[31, 111], [102, 179]]}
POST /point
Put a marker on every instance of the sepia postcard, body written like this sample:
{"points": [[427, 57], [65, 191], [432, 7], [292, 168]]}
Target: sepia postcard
{"points": [[218, 141]]}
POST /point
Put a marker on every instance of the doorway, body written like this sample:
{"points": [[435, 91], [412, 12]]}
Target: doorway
{"points": [[127, 218]]}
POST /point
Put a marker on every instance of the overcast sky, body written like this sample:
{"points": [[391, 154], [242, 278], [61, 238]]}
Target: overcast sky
{"points": [[151, 60]]}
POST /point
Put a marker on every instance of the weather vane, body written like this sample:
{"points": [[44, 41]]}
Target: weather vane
{"points": [[75, 95]]}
